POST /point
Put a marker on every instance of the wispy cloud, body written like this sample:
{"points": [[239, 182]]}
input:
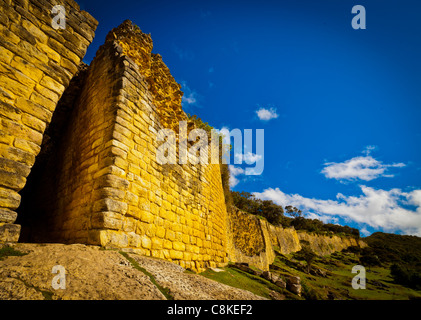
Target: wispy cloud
{"points": [[248, 157], [364, 168], [387, 210], [266, 114], [234, 172], [183, 54], [205, 14], [190, 97]]}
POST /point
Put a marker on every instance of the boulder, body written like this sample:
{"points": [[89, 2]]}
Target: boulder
{"points": [[294, 285], [281, 283], [244, 267]]}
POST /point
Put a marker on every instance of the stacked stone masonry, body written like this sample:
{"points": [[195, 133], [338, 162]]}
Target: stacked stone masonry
{"points": [[88, 136], [37, 63]]}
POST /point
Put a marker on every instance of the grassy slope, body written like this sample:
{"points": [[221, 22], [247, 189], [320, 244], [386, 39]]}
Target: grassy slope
{"points": [[337, 285], [379, 284], [243, 280]]}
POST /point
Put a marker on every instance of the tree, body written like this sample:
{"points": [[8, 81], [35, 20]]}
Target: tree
{"points": [[266, 208], [369, 258], [293, 211], [307, 255]]}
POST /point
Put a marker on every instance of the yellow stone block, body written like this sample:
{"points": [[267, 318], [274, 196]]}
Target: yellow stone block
{"points": [[8, 35], [52, 85], [176, 255], [176, 227], [170, 235], [166, 254], [186, 238], [51, 54], [146, 216], [28, 69], [37, 33], [155, 209], [187, 256], [150, 230], [157, 243], [160, 232], [33, 122], [6, 56], [43, 101], [179, 246], [27, 146], [157, 254], [146, 242], [167, 244], [14, 86], [199, 242]]}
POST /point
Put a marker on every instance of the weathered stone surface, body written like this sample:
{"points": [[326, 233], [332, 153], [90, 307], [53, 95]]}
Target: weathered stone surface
{"points": [[95, 274], [7, 216], [91, 274], [247, 233], [294, 285], [281, 283], [185, 286], [29, 62], [9, 232]]}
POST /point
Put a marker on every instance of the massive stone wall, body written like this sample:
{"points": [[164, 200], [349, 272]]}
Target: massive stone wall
{"points": [[37, 63], [254, 241], [109, 188], [93, 130]]}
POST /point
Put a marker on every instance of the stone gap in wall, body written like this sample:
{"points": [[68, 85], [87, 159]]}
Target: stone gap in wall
{"points": [[39, 194]]}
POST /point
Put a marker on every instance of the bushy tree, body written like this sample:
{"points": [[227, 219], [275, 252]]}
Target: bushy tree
{"points": [[369, 258], [293, 212], [307, 255]]}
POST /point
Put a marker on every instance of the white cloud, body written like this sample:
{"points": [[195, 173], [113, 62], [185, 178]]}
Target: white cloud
{"points": [[368, 150], [267, 114], [234, 172], [248, 157], [389, 211], [190, 97], [363, 168]]}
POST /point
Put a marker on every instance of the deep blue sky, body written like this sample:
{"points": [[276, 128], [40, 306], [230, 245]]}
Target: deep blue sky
{"points": [[335, 90]]}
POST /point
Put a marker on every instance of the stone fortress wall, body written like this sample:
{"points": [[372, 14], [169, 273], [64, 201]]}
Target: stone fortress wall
{"points": [[85, 138], [37, 63]]}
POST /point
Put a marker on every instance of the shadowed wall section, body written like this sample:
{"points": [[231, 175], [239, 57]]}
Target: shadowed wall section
{"points": [[37, 63]]}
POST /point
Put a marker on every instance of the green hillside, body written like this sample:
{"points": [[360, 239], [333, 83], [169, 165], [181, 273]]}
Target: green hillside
{"points": [[392, 264]]}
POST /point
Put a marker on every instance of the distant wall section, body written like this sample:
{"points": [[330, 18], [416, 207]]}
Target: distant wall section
{"points": [[254, 241]]}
